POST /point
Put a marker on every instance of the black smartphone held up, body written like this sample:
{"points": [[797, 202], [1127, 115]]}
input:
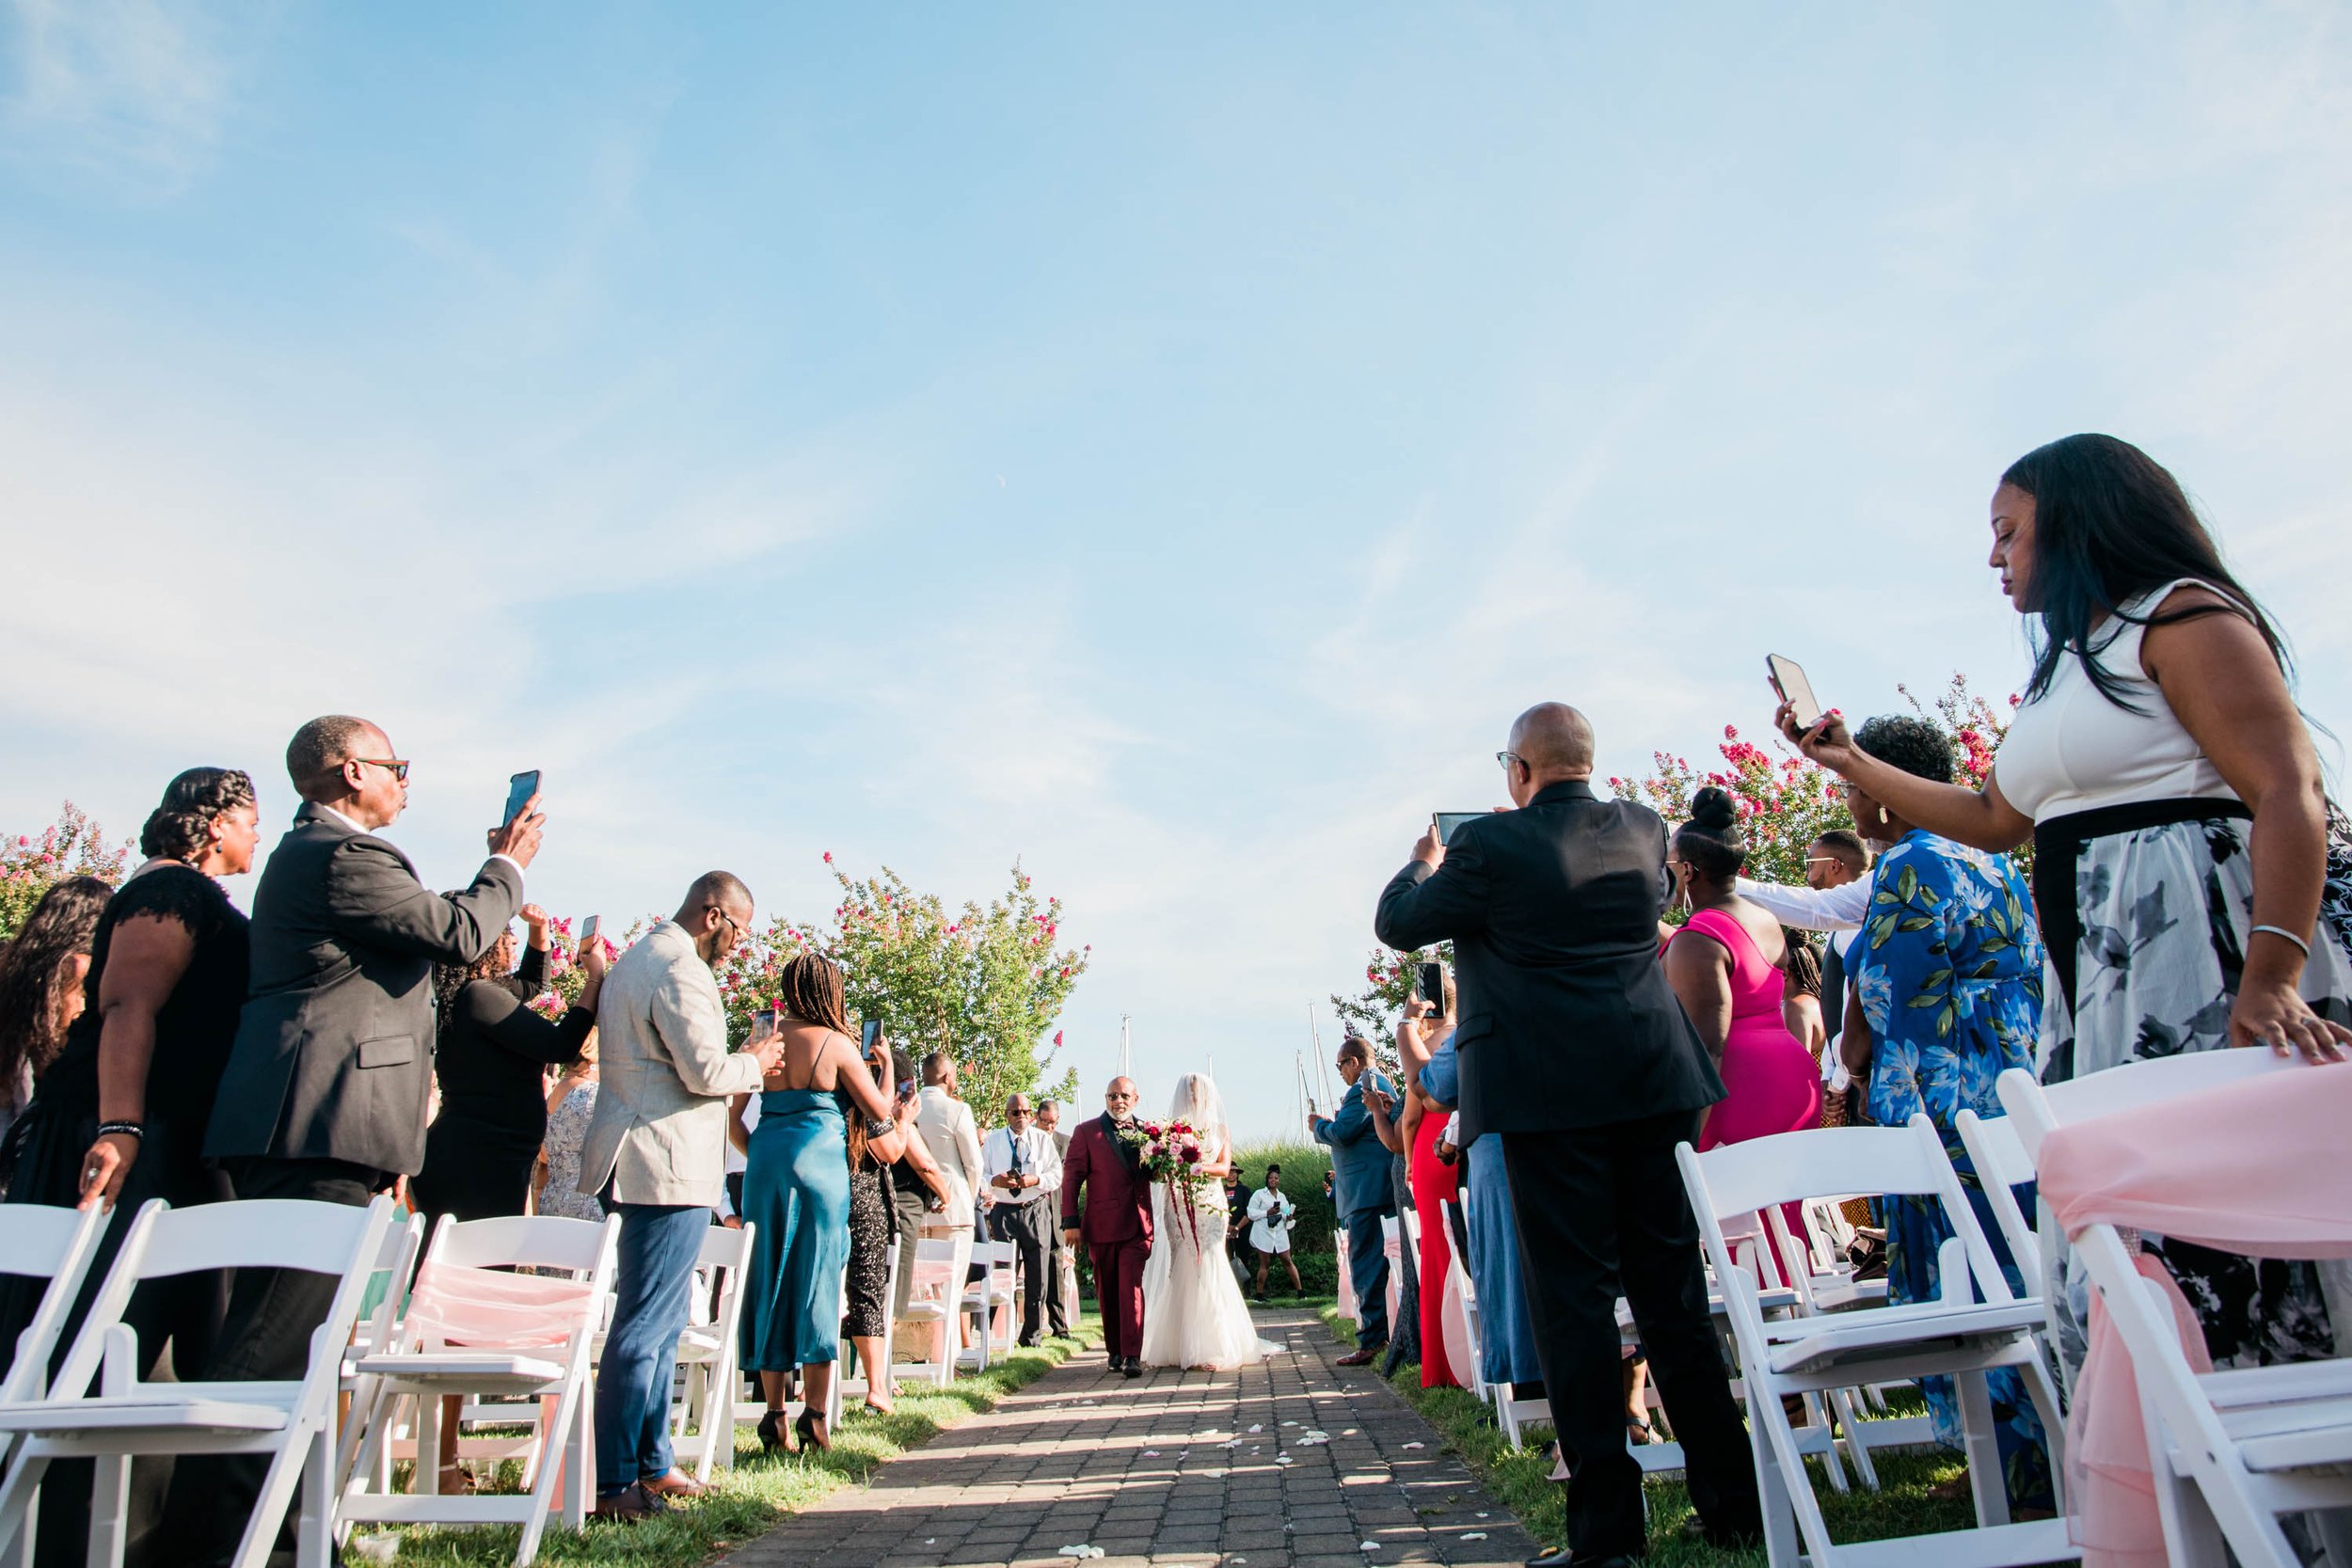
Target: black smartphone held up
{"points": [[519, 790], [1788, 680], [588, 928], [1432, 985], [871, 1039], [1447, 821]]}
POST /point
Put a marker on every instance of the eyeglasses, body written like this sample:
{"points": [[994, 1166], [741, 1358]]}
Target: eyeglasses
{"points": [[1507, 758], [1016, 1113], [399, 768], [1822, 860]]}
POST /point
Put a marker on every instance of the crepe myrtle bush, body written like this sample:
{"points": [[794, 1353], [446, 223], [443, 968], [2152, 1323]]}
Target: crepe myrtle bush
{"points": [[31, 864]]}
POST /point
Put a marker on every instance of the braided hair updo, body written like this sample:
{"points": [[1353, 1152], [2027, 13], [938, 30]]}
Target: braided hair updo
{"points": [[812, 992], [1710, 840], [181, 826]]}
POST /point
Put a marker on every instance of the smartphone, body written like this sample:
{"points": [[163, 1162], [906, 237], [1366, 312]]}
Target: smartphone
{"points": [[519, 790], [1432, 985], [1788, 680], [588, 928], [872, 1039], [1446, 821]]}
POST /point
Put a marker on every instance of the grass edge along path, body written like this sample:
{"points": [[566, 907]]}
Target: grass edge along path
{"points": [[746, 1501], [1521, 1480]]}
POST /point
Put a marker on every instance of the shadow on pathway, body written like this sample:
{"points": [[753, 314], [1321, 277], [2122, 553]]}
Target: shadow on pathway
{"points": [[1164, 1470]]}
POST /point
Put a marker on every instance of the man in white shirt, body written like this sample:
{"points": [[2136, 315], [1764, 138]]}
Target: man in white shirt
{"points": [[1024, 1174], [953, 1138], [1270, 1216]]}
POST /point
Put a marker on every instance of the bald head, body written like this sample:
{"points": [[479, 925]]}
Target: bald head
{"points": [[1119, 1099], [1554, 740]]}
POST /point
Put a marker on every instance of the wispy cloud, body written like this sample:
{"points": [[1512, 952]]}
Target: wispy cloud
{"points": [[134, 90]]}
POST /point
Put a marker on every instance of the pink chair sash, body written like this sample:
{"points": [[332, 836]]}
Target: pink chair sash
{"points": [[2248, 1168], [492, 1310]]}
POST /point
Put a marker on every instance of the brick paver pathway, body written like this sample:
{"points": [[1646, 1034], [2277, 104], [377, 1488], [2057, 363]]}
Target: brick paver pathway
{"points": [[1190, 1468]]}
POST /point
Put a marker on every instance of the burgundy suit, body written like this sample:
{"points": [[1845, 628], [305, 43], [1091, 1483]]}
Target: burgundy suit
{"points": [[1116, 1230]]}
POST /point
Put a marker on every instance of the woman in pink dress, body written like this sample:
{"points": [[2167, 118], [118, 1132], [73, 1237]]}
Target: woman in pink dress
{"points": [[1725, 966]]}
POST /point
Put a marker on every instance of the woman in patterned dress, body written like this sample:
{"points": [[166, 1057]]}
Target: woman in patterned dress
{"points": [[1948, 966], [2182, 870]]}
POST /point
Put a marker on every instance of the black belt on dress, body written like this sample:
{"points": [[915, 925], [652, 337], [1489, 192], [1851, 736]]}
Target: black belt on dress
{"points": [[2058, 843]]}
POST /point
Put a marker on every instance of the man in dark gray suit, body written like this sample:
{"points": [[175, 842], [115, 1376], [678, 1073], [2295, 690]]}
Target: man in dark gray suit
{"points": [[1363, 1194], [323, 1096]]}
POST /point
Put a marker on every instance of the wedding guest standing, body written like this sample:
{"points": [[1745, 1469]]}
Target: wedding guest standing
{"points": [[120, 1116], [796, 1190], [1578, 1054], [1950, 977], [1060, 1259], [653, 1157], [953, 1138], [491, 1059], [918, 1185], [1725, 966], [1270, 1216], [571, 1107], [2171, 791], [1362, 1195], [877, 1143], [40, 986], [1105, 1200], [1414, 1132], [1506, 1335], [323, 1096], [1025, 1170]]}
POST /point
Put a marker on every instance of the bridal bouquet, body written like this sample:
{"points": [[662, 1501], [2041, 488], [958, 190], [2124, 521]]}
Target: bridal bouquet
{"points": [[1169, 1152]]}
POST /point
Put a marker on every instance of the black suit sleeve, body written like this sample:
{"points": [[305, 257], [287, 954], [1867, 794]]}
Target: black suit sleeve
{"points": [[373, 899], [1420, 906], [532, 973], [492, 1009]]}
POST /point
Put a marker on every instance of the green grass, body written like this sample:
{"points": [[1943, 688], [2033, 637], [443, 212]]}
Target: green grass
{"points": [[1520, 1480], [749, 1499]]}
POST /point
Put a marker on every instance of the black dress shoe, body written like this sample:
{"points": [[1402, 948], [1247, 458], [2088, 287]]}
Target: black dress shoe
{"points": [[1133, 1367]]}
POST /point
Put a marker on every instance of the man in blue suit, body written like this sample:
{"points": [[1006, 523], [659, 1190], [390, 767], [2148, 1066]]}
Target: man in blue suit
{"points": [[1362, 1195]]}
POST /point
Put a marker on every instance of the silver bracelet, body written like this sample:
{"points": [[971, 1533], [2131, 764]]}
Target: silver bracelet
{"points": [[2282, 931]]}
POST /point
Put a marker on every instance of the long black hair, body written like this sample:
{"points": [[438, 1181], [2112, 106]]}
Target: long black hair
{"points": [[2109, 523], [34, 970]]}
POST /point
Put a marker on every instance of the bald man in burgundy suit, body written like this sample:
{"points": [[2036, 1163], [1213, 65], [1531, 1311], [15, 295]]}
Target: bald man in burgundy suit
{"points": [[1118, 1223]]}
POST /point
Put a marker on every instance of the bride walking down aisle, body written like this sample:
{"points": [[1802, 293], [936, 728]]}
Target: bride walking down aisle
{"points": [[1193, 1315]]}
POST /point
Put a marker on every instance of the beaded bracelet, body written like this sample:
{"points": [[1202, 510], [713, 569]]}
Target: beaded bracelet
{"points": [[132, 1128]]}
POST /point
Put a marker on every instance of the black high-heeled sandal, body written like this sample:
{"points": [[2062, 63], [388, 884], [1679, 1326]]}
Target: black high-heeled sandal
{"points": [[772, 1433], [811, 1427]]}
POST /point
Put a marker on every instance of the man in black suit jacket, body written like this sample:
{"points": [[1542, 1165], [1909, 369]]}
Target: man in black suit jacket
{"points": [[1575, 1050], [324, 1094]]}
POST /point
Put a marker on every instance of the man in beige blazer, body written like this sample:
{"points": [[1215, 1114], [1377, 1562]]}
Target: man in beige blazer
{"points": [[656, 1155]]}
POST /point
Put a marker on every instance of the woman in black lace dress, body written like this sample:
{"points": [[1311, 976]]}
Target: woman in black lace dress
{"points": [[119, 1118], [873, 1236]]}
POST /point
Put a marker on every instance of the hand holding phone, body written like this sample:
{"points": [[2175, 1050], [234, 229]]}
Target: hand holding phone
{"points": [[516, 836], [1788, 680]]}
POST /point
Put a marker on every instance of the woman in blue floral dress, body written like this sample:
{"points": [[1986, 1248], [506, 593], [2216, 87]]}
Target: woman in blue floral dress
{"points": [[1948, 964]]}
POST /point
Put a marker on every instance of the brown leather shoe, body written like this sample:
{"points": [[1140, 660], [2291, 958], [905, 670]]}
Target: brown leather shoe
{"points": [[1365, 1356], [627, 1506], [677, 1483]]}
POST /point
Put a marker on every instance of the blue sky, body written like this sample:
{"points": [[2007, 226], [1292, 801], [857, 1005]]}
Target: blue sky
{"points": [[1164, 447]]}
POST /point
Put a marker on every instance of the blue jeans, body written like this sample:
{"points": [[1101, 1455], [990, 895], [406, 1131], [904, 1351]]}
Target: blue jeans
{"points": [[1368, 1271], [651, 1294]]}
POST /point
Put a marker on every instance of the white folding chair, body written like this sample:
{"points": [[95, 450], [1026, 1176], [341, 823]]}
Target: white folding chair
{"points": [[990, 1300], [702, 1408], [1965, 1334], [292, 1422], [40, 1242], [1392, 1243], [395, 1264], [934, 1302], [1346, 1287], [2233, 1451], [1465, 1288], [2003, 1166], [473, 1330]]}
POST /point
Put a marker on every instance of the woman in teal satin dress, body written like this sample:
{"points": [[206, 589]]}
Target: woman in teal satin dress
{"points": [[796, 1190]]}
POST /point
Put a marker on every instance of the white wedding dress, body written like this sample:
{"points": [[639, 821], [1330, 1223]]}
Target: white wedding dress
{"points": [[1193, 1311]]}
